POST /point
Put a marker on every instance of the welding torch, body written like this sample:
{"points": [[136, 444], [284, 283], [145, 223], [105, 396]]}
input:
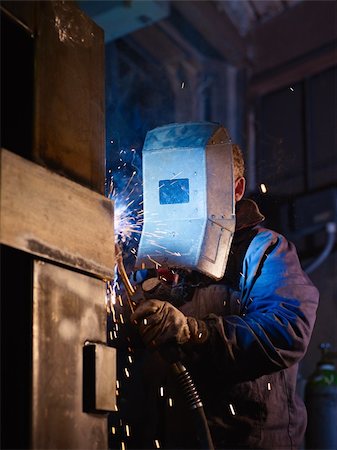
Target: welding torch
{"points": [[183, 377]]}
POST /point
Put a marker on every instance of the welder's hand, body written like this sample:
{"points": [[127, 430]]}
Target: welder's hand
{"points": [[160, 323]]}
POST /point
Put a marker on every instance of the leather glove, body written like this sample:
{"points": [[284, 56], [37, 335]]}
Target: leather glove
{"points": [[160, 322]]}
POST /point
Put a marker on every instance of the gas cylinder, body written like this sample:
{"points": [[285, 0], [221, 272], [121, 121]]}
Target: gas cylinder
{"points": [[321, 403]]}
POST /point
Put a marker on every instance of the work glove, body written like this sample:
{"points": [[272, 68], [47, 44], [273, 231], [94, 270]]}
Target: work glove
{"points": [[160, 323]]}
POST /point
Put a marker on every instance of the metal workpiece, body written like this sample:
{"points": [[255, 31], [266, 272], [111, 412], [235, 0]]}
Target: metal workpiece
{"points": [[68, 311], [189, 215], [50, 216], [69, 93], [67, 89], [99, 378], [22, 13], [57, 230]]}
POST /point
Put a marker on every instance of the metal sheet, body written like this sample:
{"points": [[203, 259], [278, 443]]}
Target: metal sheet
{"points": [[48, 215], [69, 93], [99, 377], [68, 310], [22, 12]]}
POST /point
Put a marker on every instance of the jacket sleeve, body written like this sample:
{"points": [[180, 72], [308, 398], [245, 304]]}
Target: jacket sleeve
{"points": [[278, 306]]}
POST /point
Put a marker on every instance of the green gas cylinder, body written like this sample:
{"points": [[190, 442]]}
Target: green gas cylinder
{"points": [[321, 402]]}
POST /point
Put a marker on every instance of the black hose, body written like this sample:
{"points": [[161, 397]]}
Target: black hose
{"points": [[195, 405]]}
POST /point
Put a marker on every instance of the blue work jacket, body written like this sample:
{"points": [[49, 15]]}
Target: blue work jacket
{"points": [[259, 329], [259, 319]]}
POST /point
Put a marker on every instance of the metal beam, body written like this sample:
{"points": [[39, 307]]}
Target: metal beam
{"points": [[300, 30], [293, 72], [50, 216], [158, 45], [216, 28]]}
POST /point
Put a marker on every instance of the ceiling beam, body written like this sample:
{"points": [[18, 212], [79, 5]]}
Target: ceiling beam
{"points": [[289, 74], [301, 29], [180, 40], [157, 44], [215, 27]]}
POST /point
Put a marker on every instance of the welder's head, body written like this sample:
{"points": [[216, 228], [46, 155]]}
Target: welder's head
{"points": [[239, 172]]}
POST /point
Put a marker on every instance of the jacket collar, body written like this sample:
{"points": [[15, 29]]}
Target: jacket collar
{"points": [[247, 214]]}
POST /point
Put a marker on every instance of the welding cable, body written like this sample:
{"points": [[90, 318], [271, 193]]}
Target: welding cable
{"points": [[331, 231], [130, 291], [194, 404]]}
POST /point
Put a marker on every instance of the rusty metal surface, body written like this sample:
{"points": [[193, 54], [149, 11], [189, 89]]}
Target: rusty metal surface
{"points": [[48, 215], [22, 12], [69, 93], [68, 310]]}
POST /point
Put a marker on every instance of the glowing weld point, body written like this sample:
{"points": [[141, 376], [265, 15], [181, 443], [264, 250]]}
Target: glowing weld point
{"points": [[231, 407], [161, 391], [156, 443], [170, 402], [127, 373], [269, 386]]}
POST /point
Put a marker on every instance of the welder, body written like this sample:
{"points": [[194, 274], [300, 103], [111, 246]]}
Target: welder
{"points": [[241, 337]]}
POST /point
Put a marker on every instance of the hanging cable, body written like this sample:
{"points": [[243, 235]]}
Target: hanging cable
{"points": [[331, 232]]}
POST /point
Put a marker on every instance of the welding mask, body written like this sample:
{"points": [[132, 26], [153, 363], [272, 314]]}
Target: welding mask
{"points": [[189, 211]]}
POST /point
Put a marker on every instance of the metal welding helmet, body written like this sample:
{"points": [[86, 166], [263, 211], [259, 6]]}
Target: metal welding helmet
{"points": [[189, 215]]}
